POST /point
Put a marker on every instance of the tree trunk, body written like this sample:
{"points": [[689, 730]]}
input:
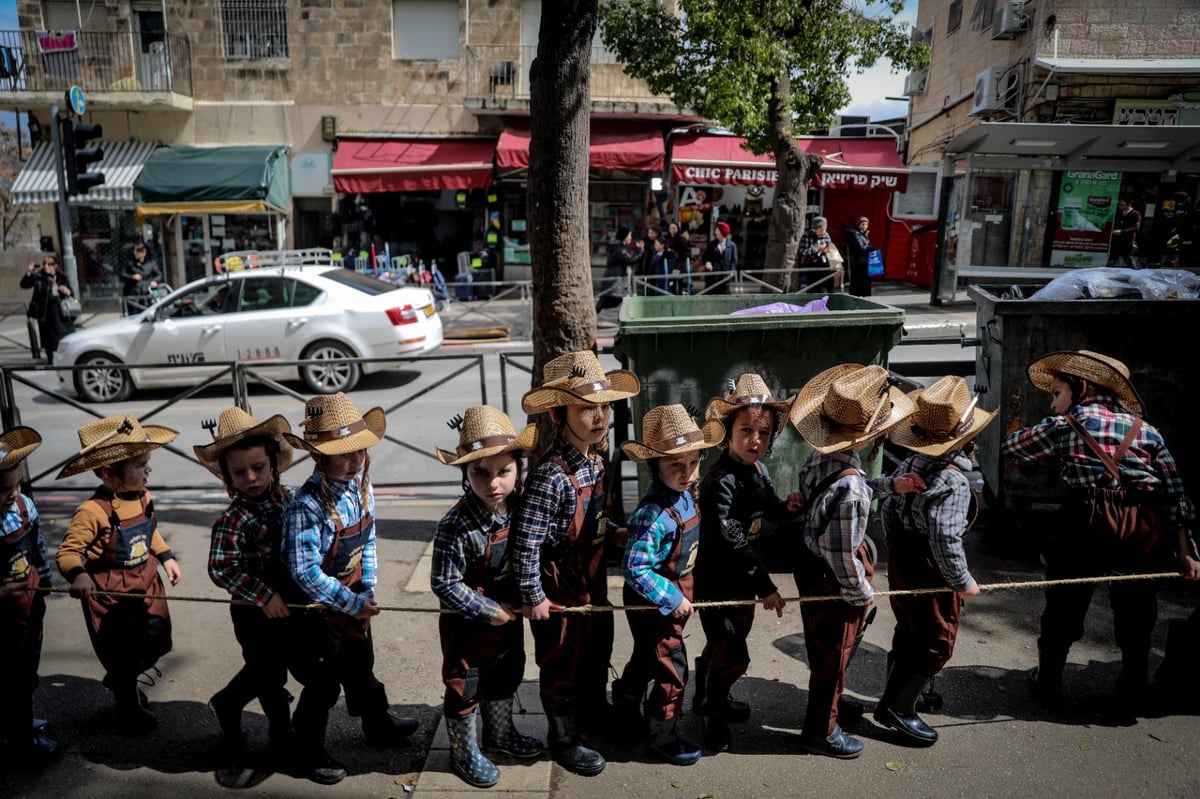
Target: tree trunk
{"points": [[564, 314], [795, 168]]}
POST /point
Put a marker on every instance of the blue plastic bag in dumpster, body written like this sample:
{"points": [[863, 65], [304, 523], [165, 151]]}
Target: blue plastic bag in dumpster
{"points": [[875, 263]]}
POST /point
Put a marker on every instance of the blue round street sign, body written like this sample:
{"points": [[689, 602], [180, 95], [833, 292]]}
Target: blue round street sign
{"points": [[77, 100]]}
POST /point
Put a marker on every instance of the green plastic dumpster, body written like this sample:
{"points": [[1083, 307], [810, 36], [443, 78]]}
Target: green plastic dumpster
{"points": [[683, 349], [1152, 337]]}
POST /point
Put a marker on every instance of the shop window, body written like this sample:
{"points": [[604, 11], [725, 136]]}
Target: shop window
{"points": [[254, 28], [423, 29], [954, 20]]}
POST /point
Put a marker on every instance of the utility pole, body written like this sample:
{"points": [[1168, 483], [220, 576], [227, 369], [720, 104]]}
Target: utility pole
{"points": [[66, 238]]}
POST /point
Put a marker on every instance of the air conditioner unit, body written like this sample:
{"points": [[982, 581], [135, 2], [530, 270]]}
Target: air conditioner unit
{"points": [[987, 98], [916, 82], [1010, 19]]}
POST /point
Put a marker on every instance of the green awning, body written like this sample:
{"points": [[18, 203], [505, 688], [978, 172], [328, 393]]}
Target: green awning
{"points": [[195, 175]]}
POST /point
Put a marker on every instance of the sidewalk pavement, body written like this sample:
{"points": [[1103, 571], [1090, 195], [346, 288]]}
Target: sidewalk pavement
{"points": [[995, 741]]}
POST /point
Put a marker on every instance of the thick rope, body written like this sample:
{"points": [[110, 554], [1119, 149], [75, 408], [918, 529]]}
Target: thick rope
{"points": [[727, 603]]}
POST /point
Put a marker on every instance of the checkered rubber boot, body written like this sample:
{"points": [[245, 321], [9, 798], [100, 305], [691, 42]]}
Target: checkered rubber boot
{"points": [[501, 735]]}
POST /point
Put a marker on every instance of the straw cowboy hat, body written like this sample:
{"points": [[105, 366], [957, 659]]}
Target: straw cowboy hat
{"points": [[484, 431], [234, 425], [333, 426], [848, 405], [112, 440], [1100, 370], [16, 445], [578, 379], [946, 418], [750, 391], [670, 430]]}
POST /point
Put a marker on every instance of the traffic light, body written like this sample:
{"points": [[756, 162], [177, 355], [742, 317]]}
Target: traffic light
{"points": [[78, 158]]}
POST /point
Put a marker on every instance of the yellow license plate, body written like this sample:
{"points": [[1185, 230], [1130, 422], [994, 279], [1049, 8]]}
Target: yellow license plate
{"points": [[429, 310]]}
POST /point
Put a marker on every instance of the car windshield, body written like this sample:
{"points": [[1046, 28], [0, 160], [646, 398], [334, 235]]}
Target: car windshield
{"points": [[364, 283]]}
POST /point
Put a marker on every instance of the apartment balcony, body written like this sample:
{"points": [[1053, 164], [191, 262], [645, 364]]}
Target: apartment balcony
{"points": [[115, 70], [498, 83]]}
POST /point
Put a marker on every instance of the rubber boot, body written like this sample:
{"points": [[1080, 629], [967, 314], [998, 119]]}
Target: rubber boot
{"points": [[311, 759], [627, 705], [227, 705], [279, 721], [132, 717], [897, 709], [836, 744], [1045, 683], [501, 735], [465, 758], [1133, 687], [568, 752], [380, 727], [700, 680], [730, 710], [665, 743]]}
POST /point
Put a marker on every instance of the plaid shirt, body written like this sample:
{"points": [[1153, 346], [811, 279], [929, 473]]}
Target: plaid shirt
{"points": [[1147, 466], [546, 513], [652, 534], [245, 542], [836, 521], [12, 522], [938, 513], [460, 541], [308, 531]]}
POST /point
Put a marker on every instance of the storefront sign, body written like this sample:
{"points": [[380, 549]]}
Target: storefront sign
{"points": [[759, 176], [1087, 205]]}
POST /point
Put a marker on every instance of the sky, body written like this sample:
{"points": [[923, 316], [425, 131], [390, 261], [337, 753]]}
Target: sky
{"points": [[870, 88]]}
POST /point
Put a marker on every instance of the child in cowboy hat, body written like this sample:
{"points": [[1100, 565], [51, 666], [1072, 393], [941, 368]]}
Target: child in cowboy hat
{"points": [[1097, 421], [328, 547], [840, 413], [25, 564], [113, 545], [736, 495], [558, 548], [483, 640], [664, 534], [243, 558], [925, 547]]}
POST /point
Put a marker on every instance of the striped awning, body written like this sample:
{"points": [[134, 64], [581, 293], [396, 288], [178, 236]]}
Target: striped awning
{"points": [[122, 163]]}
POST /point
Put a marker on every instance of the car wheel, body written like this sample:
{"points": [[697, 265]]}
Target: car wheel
{"points": [[332, 377], [102, 383]]}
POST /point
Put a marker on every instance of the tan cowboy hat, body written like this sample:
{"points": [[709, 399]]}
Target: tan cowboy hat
{"points": [[333, 426], [112, 440], [750, 391], [848, 405], [484, 431], [671, 430], [946, 418], [234, 425], [578, 379], [1093, 367], [16, 445]]}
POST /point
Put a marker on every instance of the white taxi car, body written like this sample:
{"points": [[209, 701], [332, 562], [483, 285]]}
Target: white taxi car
{"points": [[256, 316]]}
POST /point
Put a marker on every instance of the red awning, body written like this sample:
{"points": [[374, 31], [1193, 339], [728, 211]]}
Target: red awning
{"points": [[365, 166], [848, 163], [612, 147]]}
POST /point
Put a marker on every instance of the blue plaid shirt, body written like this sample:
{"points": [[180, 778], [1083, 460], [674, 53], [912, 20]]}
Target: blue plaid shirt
{"points": [[652, 534], [308, 532], [938, 513], [460, 541], [12, 522], [546, 512]]}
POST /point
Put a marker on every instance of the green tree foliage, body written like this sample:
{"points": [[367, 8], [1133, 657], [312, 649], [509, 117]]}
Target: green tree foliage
{"points": [[762, 69]]}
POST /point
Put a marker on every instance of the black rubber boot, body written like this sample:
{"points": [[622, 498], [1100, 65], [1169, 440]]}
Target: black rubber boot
{"points": [[627, 705], [565, 746], [700, 680], [309, 757], [1045, 683], [897, 708], [132, 717], [380, 727], [227, 705], [664, 742], [279, 720]]}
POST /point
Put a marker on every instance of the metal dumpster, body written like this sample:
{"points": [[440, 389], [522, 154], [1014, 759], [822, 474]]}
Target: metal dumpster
{"points": [[683, 349], [1152, 337]]}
